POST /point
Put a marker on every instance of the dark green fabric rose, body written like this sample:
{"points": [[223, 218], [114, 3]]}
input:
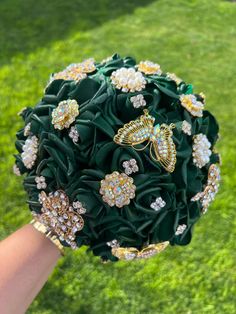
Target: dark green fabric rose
{"points": [[77, 167]]}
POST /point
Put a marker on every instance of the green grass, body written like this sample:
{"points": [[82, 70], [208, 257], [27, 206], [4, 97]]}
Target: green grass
{"points": [[197, 40]]}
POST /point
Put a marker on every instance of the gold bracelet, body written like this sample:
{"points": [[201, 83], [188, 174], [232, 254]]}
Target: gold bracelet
{"points": [[48, 233]]}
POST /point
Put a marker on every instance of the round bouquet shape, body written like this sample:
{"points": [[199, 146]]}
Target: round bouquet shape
{"points": [[119, 156]]}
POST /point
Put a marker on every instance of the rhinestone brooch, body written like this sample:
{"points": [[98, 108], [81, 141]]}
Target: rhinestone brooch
{"points": [[162, 147], [128, 80], [131, 253], [74, 134], [149, 67], [76, 71], [210, 190], [190, 103], [130, 166], [158, 204], [180, 229], [65, 114], [57, 214], [174, 77], [201, 150], [41, 183], [117, 189], [29, 154], [138, 101]]}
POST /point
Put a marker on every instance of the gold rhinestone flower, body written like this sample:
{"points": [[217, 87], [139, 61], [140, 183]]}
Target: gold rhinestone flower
{"points": [[59, 217], [117, 189], [149, 67], [174, 77], [76, 71], [190, 103], [128, 80], [65, 114]]}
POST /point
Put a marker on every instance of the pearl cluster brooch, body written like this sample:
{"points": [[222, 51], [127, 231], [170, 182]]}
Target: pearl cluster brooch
{"points": [[158, 204], [27, 129], [211, 188], [130, 166], [149, 67], [186, 127], [128, 80], [74, 135], [57, 214], [180, 229], [138, 101], [201, 150], [76, 71], [41, 183], [117, 189], [29, 154], [16, 170], [65, 114], [190, 103]]}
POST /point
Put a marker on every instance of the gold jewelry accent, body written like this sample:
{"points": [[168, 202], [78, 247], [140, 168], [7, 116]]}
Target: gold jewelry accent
{"points": [[48, 233], [149, 67], [192, 105], [159, 136], [210, 190], [132, 253], [65, 113], [117, 189], [57, 214], [174, 77], [76, 71]]}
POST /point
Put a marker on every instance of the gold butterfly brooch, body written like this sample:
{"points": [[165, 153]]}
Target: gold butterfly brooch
{"points": [[162, 147]]}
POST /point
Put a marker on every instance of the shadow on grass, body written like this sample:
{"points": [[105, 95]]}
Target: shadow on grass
{"points": [[28, 24]]}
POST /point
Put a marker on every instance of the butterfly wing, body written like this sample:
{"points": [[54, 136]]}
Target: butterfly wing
{"points": [[136, 131], [164, 147], [125, 253]]}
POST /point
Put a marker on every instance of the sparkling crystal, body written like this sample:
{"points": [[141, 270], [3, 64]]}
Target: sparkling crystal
{"points": [[65, 113], [180, 229], [41, 183], [158, 204], [138, 101], [73, 134], [117, 189], [210, 190], [130, 166], [113, 243], [57, 217], [75, 71]]}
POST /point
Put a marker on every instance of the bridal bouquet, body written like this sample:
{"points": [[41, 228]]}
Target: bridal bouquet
{"points": [[118, 156]]}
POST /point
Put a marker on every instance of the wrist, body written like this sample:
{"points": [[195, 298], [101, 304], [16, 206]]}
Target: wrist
{"points": [[48, 233]]}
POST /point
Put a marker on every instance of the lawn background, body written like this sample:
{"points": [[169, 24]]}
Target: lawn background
{"points": [[196, 40]]}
